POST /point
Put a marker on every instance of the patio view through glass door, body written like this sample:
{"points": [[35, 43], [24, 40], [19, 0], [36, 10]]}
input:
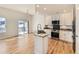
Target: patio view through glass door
{"points": [[22, 27]]}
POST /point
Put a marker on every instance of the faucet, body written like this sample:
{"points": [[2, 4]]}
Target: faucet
{"points": [[39, 28]]}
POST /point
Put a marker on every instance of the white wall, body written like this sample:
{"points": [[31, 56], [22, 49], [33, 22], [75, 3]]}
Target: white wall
{"points": [[77, 28], [38, 19], [12, 18]]}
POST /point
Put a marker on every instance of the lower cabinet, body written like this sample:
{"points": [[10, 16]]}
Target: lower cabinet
{"points": [[66, 36], [48, 31], [61, 35], [40, 44]]}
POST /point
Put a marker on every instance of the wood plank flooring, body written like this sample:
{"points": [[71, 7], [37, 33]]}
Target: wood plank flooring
{"points": [[59, 47], [25, 45]]}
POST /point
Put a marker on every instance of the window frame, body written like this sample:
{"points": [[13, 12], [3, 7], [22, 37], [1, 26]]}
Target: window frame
{"points": [[4, 25]]}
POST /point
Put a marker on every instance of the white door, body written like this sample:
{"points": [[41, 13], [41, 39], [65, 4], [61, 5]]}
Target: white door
{"points": [[77, 28]]}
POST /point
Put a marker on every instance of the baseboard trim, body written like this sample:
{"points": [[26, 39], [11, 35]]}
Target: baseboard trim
{"points": [[62, 40], [66, 41], [9, 37]]}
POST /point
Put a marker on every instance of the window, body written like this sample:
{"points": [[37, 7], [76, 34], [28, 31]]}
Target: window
{"points": [[2, 25]]}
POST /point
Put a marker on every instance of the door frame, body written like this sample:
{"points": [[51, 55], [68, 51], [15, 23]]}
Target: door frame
{"points": [[24, 25], [74, 28]]}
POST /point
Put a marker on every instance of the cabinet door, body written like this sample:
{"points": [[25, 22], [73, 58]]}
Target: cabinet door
{"points": [[61, 19], [68, 17], [68, 36], [61, 35], [38, 45]]}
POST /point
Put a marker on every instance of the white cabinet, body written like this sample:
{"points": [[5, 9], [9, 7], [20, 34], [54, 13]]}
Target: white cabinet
{"points": [[40, 44], [66, 19], [66, 36], [48, 31], [62, 19], [61, 35]]}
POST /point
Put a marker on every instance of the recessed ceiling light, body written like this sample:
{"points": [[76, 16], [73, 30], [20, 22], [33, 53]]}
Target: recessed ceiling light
{"points": [[37, 6], [44, 8]]}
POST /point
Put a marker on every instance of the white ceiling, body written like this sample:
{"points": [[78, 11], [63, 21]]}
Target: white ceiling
{"points": [[54, 8], [30, 8]]}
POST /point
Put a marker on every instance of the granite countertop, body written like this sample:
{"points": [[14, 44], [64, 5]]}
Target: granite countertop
{"points": [[41, 35], [63, 29], [66, 29]]}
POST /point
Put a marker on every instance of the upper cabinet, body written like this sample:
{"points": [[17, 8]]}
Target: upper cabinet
{"points": [[56, 17], [66, 18]]}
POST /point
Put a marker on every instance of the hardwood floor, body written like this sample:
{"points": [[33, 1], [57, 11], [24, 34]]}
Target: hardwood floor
{"points": [[25, 45], [59, 47]]}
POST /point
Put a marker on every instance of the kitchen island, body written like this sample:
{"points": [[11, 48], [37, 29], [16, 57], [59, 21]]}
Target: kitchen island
{"points": [[41, 43]]}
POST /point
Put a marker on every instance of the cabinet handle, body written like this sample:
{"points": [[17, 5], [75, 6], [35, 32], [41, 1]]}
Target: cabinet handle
{"points": [[75, 36]]}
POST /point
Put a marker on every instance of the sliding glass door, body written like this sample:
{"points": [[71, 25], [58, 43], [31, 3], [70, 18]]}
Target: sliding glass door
{"points": [[22, 27]]}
